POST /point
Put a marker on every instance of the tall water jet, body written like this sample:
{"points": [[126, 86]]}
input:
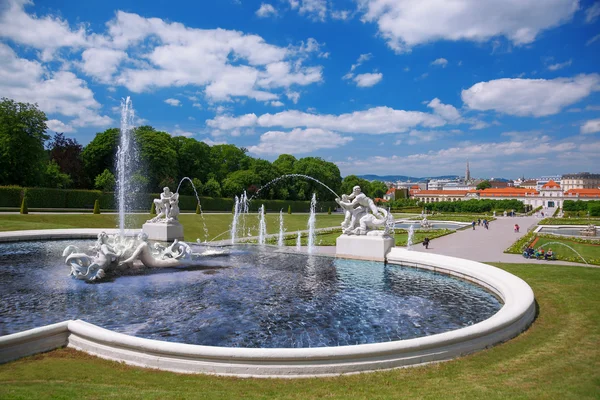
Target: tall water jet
{"points": [[411, 234], [262, 225], [234, 222], [311, 223], [281, 229], [126, 162], [299, 241]]}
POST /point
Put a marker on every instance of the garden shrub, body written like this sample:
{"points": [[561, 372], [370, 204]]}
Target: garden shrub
{"points": [[10, 196], [97, 206], [46, 198], [24, 209]]}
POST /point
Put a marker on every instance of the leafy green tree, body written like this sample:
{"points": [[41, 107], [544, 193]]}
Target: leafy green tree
{"points": [[227, 158], [212, 188], [285, 164], [99, 154], [193, 158], [352, 180], [326, 172], [105, 181], [67, 153], [377, 189], [157, 154], [484, 185], [22, 137], [231, 188], [54, 178]]}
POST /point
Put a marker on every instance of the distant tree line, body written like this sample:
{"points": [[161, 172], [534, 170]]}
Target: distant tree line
{"points": [[30, 157]]}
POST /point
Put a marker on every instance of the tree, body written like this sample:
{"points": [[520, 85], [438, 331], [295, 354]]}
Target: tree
{"points": [[227, 158], [99, 154], [22, 136], [326, 172], [378, 189], [212, 188], [484, 185], [193, 158], [67, 154], [157, 155], [105, 181], [352, 180], [54, 178], [285, 164]]}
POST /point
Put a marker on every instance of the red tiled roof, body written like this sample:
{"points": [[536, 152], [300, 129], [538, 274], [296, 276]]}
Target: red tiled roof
{"points": [[584, 192], [415, 187], [448, 192], [551, 185], [390, 191], [507, 192]]}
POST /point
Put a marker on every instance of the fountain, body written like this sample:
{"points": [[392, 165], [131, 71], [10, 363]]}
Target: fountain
{"points": [[425, 224], [126, 158], [311, 224], [565, 245], [589, 230], [409, 240], [281, 230], [299, 241], [262, 225]]}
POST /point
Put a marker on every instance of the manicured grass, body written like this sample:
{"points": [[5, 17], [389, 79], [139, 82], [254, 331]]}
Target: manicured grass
{"points": [[558, 357], [401, 237], [216, 224], [591, 252], [569, 221]]}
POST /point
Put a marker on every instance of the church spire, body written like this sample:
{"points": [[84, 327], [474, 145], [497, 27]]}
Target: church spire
{"points": [[467, 173]]}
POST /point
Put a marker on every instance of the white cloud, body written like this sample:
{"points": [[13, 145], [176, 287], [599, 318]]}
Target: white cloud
{"points": [[212, 142], [368, 79], [102, 63], [442, 62], [58, 126], [557, 66], [316, 10], [298, 141], [408, 23], [530, 97], [446, 111], [592, 40], [591, 126], [277, 103], [592, 13], [60, 92], [378, 120], [266, 10], [197, 105], [342, 15], [361, 59], [294, 4], [293, 96], [173, 102], [48, 33]]}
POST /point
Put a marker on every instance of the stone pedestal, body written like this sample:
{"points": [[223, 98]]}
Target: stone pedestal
{"points": [[363, 247], [164, 232]]}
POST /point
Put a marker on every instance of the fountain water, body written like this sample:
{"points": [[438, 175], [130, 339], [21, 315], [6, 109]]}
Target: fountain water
{"points": [[299, 241], [411, 234], [311, 223], [566, 245], [199, 205], [262, 225], [294, 176], [281, 229], [126, 162]]}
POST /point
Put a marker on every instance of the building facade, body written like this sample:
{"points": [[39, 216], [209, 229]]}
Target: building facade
{"points": [[582, 180]]}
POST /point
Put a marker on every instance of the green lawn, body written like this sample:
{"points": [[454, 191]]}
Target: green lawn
{"points": [[570, 221], [558, 357], [591, 252], [401, 237], [216, 224]]}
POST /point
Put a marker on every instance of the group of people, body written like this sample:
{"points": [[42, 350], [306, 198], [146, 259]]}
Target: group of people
{"points": [[539, 253], [479, 221]]}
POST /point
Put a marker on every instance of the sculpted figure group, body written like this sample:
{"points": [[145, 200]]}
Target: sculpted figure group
{"points": [[362, 216], [167, 207]]}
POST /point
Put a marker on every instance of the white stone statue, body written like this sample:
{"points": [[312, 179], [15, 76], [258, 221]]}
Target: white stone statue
{"points": [[167, 207], [358, 220], [91, 268], [425, 223]]}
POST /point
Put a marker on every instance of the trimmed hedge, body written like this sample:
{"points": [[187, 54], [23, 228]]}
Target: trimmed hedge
{"points": [[10, 196]]}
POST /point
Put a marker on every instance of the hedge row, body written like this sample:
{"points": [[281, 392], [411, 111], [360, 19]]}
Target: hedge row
{"points": [[11, 196]]}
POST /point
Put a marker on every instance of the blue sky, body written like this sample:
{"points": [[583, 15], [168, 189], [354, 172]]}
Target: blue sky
{"points": [[407, 87]]}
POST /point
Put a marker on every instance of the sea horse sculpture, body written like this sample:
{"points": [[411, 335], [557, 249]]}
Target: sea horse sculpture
{"points": [[358, 220]]}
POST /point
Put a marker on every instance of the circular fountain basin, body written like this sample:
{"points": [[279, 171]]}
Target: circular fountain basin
{"points": [[258, 313], [567, 230], [434, 225]]}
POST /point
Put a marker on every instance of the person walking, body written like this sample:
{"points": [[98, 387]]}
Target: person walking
{"points": [[473, 224], [426, 242]]}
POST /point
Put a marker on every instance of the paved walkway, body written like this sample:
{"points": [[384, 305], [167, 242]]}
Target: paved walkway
{"points": [[487, 245]]}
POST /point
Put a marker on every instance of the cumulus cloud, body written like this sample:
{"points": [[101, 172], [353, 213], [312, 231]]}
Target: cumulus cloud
{"points": [[408, 23], [60, 92], [298, 141], [378, 120], [591, 126], [368, 79], [442, 62], [266, 10], [530, 97], [58, 126], [446, 111], [316, 10], [102, 63], [173, 102], [277, 103]]}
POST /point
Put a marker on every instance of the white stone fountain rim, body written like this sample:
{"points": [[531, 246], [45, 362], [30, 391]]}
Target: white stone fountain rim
{"points": [[515, 316]]}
